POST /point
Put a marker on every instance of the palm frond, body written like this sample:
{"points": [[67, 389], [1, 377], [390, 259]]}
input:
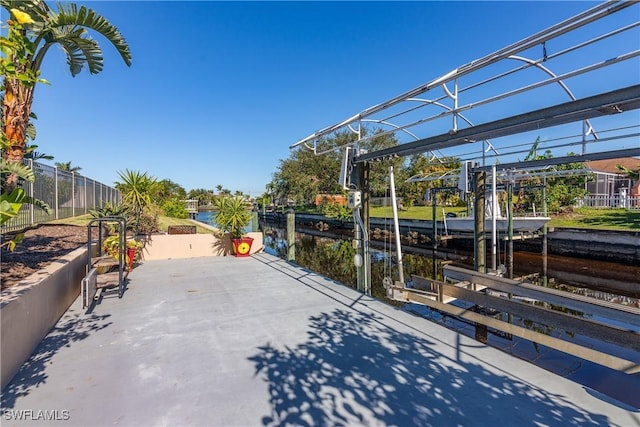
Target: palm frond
{"points": [[71, 15], [18, 169], [80, 51], [37, 203]]}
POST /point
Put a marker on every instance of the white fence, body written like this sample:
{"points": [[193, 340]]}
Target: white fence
{"points": [[617, 201], [68, 194]]}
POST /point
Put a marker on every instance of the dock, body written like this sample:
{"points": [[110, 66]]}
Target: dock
{"points": [[225, 341]]}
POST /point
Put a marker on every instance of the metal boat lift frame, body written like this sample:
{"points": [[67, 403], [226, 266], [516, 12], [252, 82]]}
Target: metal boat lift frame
{"points": [[406, 115]]}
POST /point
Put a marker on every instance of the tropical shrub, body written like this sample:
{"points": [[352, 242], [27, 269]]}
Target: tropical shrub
{"points": [[175, 209]]}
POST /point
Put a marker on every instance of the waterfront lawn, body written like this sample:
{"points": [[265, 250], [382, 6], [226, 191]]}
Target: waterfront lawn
{"points": [[613, 219], [163, 222], [603, 219]]}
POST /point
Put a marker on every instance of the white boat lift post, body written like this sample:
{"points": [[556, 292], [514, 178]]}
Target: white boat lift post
{"points": [[396, 225]]}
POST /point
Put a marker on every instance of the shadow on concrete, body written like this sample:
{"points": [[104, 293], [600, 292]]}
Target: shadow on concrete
{"points": [[353, 369], [33, 373]]}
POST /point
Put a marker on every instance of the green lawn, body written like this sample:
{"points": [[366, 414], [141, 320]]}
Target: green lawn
{"points": [[163, 222], [613, 219]]}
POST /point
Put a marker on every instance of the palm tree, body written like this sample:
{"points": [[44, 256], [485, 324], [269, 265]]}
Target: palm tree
{"points": [[33, 30], [66, 166]]}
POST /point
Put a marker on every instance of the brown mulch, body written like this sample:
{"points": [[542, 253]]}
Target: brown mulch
{"points": [[40, 246]]}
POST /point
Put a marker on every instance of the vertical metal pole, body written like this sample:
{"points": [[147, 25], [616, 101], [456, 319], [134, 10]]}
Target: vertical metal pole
{"points": [[86, 199], [480, 248], [494, 217], [364, 180], [357, 243], [510, 228], [32, 217], [396, 226], [55, 184], [73, 193], [291, 235], [434, 234], [361, 230], [544, 233]]}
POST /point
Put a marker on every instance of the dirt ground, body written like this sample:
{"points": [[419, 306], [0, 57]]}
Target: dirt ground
{"points": [[40, 247]]}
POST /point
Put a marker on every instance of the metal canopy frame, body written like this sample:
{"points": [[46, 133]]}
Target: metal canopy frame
{"points": [[411, 114], [614, 102]]}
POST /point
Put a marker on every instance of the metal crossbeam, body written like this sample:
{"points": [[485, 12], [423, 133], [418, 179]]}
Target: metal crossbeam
{"points": [[614, 102], [615, 154]]}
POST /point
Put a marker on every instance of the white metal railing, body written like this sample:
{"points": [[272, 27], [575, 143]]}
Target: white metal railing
{"points": [[616, 201], [67, 193]]}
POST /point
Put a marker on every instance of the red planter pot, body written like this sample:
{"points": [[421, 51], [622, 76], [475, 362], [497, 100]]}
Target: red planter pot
{"points": [[131, 254], [242, 247]]}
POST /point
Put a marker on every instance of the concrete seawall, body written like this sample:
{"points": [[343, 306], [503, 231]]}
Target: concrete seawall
{"points": [[605, 245]]}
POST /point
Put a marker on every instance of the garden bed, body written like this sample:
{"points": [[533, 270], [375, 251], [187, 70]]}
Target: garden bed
{"points": [[40, 247]]}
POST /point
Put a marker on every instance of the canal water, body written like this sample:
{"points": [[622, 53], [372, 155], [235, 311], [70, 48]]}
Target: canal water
{"points": [[331, 253]]}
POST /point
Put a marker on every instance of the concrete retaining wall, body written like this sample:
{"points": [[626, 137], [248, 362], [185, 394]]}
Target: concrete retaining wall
{"points": [[174, 246], [32, 307]]}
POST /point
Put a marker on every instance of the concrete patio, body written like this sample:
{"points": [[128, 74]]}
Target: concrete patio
{"points": [[224, 341]]}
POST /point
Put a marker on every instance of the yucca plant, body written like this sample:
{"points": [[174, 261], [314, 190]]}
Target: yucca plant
{"points": [[135, 188], [232, 217]]}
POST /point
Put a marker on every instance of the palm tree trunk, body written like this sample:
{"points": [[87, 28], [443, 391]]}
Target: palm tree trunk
{"points": [[16, 111]]}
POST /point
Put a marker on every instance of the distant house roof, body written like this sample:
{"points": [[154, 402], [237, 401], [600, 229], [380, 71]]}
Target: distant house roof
{"points": [[609, 166]]}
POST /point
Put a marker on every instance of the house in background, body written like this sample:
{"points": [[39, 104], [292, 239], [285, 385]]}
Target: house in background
{"points": [[610, 187]]}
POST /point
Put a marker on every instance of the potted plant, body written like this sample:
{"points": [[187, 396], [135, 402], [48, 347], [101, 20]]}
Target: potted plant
{"points": [[233, 217], [111, 247]]}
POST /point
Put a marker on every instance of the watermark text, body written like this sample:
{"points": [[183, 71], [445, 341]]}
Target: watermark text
{"points": [[36, 415]]}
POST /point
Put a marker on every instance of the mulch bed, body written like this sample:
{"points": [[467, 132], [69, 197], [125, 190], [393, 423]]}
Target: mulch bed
{"points": [[40, 247]]}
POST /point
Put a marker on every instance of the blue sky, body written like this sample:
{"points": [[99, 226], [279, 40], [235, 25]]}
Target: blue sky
{"points": [[218, 91]]}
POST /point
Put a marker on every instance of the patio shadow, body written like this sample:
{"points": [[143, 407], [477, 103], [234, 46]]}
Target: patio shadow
{"points": [[33, 373], [353, 369]]}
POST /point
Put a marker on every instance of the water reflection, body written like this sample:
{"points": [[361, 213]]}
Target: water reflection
{"points": [[334, 259], [332, 255]]}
